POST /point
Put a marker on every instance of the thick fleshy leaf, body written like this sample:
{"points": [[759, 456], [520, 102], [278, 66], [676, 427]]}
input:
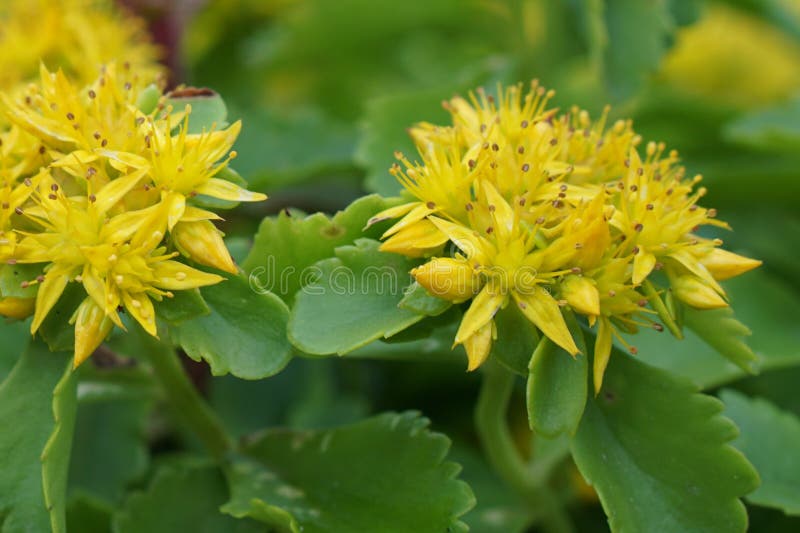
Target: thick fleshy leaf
{"points": [[16, 337], [181, 497], [278, 264], [419, 300], [658, 454], [353, 301], [339, 481], [557, 389], [770, 438], [245, 333], [516, 340], [105, 461], [760, 302], [720, 330], [208, 108], [27, 411], [184, 305]]}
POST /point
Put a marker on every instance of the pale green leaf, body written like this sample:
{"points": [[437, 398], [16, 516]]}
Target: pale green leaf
{"points": [[353, 301], [245, 333]]}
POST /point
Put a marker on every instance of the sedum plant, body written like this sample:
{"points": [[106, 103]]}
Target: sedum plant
{"points": [[159, 375]]}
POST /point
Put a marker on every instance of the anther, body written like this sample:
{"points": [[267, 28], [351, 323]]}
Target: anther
{"points": [[526, 167], [96, 135], [553, 142], [576, 270], [495, 147], [563, 187], [489, 230], [92, 198], [540, 220], [642, 302], [42, 149], [70, 116], [5, 205], [18, 210], [633, 349], [521, 150], [562, 303], [52, 196], [649, 207], [711, 213], [491, 208], [104, 142], [640, 171], [471, 163], [54, 187], [40, 278], [523, 124], [634, 188], [430, 205], [468, 207], [658, 327], [522, 202], [27, 182], [693, 208], [612, 293], [92, 94], [635, 250], [578, 245]]}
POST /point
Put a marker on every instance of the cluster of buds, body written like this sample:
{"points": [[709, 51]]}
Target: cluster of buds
{"points": [[104, 185], [557, 214]]}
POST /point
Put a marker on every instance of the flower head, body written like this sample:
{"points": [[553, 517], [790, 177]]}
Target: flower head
{"points": [[113, 206], [552, 213]]}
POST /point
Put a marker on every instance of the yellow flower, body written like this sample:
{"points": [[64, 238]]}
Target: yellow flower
{"points": [[101, 193], [118, 259], [552, 212], [734, 57], [74, 35]]}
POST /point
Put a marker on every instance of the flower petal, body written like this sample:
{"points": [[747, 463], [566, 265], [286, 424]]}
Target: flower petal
{"points": [[225, 190], [174, 275], [92, 326], [602, 351], [480, 313], [542, 309]]}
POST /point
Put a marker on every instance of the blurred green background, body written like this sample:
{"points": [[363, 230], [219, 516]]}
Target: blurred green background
{"points": [[326, 90]]}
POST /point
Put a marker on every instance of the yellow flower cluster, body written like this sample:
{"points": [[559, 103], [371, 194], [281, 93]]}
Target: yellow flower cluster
{"points": [[558, 214], [103, 185], [75, 35]]}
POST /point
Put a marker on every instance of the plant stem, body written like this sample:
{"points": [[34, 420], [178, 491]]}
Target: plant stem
{"points": [[492, 425], [187, 403]]}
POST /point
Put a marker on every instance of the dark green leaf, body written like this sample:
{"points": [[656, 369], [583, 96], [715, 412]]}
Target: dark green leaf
{"points": [[770, 438], [27, 410], [353, 301], [384, 474], [16, 336], [516, 340], [182, 498], [56, 454], [657, 453], [110, 445], [55, 330], [277, 263], [245, 333], [557, 389]]}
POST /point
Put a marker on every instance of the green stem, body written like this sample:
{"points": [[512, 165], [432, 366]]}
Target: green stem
{"points": [[187, 403], [492, 425]]}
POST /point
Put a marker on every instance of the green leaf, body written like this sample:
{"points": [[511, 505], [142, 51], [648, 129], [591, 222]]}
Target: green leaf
{"points": [[13, 276], [278, 264], [418, 300], [353, 301], [110, 444], [88, 515], [557, 389], [637, 37], [770, 438], [55, 329], [761, 302], [181, 498], [721, 331], [498, 509], [773, 129], [384, 474], [27, 416], [384, 132], [56, 454], [16, 335], [184, 305], [657, 453], [516, 340], [245, 333], [208, 108]]}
